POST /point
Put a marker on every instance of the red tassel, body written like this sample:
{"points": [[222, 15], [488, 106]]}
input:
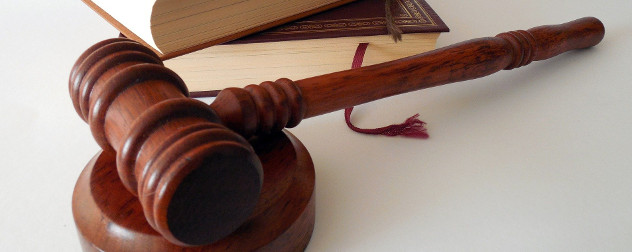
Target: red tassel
{"points": [[412, 127]]}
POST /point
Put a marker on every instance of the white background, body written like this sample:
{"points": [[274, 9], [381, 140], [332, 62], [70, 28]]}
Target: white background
{"points": [[533, 159]]}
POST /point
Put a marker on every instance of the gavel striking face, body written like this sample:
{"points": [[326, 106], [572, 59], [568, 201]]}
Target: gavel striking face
{"points": [[190, 164]]}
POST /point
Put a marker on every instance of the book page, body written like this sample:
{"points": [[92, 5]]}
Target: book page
{"points": [[135, 15]]}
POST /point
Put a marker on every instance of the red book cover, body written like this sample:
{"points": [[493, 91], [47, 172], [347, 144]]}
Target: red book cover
{"points": [[358, 18]]}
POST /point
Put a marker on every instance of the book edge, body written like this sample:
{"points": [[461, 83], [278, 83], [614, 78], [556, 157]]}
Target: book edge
{"points": [[123, 29], [168, 55], [429, 36], [442, 27]]}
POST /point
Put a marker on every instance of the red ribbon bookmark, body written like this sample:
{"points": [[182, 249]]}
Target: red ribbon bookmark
{"points": [[412, 127]]}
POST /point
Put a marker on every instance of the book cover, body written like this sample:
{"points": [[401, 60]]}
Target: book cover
{"points": [[358, 18]]}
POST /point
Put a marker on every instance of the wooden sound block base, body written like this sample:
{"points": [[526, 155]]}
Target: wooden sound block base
{"points": [[109, 218]]}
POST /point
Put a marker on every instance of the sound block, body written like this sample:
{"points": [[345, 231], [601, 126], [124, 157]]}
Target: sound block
{"points": [[109, 218]]}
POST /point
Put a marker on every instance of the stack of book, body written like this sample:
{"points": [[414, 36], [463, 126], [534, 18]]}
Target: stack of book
{"points": [[217, 44]]}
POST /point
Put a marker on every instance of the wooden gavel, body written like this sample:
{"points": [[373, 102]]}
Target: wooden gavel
{"points": [[191, 165]]}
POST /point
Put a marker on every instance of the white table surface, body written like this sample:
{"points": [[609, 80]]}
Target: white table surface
{"points": [[533, 159]]}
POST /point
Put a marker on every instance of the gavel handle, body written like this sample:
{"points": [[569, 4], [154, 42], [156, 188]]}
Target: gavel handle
{"points": [[464, 61], [198, 181]]}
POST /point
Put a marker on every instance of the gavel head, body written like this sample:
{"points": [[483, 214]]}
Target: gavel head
{"points": [[196, 180]]}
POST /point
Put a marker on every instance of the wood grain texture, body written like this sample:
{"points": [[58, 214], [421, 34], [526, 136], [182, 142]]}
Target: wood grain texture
{"points": [[198, 181], [109, 218], [241, 109], [463, 61], [171, 150]]}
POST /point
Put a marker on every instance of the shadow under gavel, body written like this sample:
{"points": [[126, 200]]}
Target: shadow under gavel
{"points": [[191, 165]]}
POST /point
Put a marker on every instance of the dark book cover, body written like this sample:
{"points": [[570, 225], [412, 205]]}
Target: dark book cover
{"points": [[358, 18]]}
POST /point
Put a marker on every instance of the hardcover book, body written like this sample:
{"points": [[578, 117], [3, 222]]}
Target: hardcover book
{"points": [[315, 45], [173, 28]]}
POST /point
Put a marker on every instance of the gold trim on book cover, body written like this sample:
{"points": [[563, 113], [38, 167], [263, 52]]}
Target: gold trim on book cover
{"points": [[411, 17], [410, 4]]}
